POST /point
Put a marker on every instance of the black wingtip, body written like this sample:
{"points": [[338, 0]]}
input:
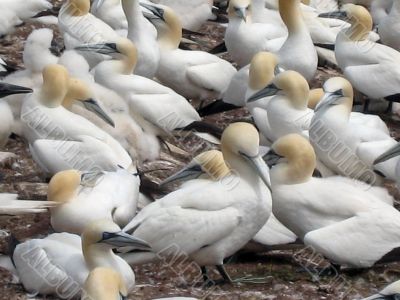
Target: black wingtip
{"points": [[218, 106], [13, 242], [325, 46], [204, 127]]}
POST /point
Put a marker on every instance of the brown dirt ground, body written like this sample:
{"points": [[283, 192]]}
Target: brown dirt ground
{"points": [[284, 276]]}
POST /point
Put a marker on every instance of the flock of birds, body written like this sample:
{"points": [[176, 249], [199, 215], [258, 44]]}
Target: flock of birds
{"points": [[307, 169]]}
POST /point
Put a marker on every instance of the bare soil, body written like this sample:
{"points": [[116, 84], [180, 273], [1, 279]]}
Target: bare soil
{"points": [[286, 274]]}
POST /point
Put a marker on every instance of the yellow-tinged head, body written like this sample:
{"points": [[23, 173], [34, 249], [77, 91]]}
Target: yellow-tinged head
{"points": [[337, 91], [104, 284], [291, 14], [262, 70], [360, 20], [294, 86], [63, 186], [78, 8], [212, 162], [300, 159], [315, 97], [77, 90], [240, 9], [240, 138], [55, 85]]}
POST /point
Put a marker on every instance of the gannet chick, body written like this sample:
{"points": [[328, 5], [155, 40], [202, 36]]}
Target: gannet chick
{"points": [[65, 258], [7, 118], [15, 12], [155, 107], [84, 197], [74, 20], [357, 56], [104, 284], [196, 75], [344, 220], [348, 148], [389, 28], [211, 165], [392, 291], [206, 228], [61, 140]]}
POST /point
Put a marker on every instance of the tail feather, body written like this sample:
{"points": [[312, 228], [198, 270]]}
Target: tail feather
{"points": [[204, 127], [19, 207], [218, 106]]}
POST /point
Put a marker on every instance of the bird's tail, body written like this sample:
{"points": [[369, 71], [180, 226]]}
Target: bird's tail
{"points": [[9, 205], [216, 107], [204, 130]]}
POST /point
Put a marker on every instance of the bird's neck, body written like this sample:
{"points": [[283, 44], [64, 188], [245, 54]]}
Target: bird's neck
{"points": [[359, 29], [170, 38], [76, 9], [123, 66], [295, 171], [50, 97], [133, 15], [67, 102], [291, 16], [98, 256]]}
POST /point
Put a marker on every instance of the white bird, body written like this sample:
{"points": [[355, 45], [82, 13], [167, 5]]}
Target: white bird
{"points": [[357, 56], [155, 107], [111, 12], [380, 10], [85, 197], [10, 205], [192, 13], [205, 228], [392, 152], [347, 148], [61, 262], [244, 38], [389, 28], [61, 140], [344, 220], [7, 118], [211, 165], [196, 75], [79, 26], [392, 291], [15, 12], [36, 56]]}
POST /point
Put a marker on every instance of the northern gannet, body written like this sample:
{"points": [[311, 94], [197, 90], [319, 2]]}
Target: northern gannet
{"points": [[61, 140], [85, 197], [205, 221], [392, 291], [196, 75], [67, 259], [347, 148], [391, 153], [211, 165], [7, 118], [155, 107], [79, 26], [346, 221], [357, 56]]}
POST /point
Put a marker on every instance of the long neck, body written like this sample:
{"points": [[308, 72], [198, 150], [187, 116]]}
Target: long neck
{"points": [[291, 15], [51, 97], [77, 8], [170, 38], [133, 15], [98, 256], [241, 167], [124, 66], [68, 101]]}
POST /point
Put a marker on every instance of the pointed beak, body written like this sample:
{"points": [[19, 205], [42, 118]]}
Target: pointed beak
{"points": [[278, 70], [93, 106], [269, 91], [241, 13], [7, 89], [158, 12], [393, 152], [327, 100], [260, 167], [102, 48], [342, 15], [271, 158], [122, 239], [187, 173]]}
